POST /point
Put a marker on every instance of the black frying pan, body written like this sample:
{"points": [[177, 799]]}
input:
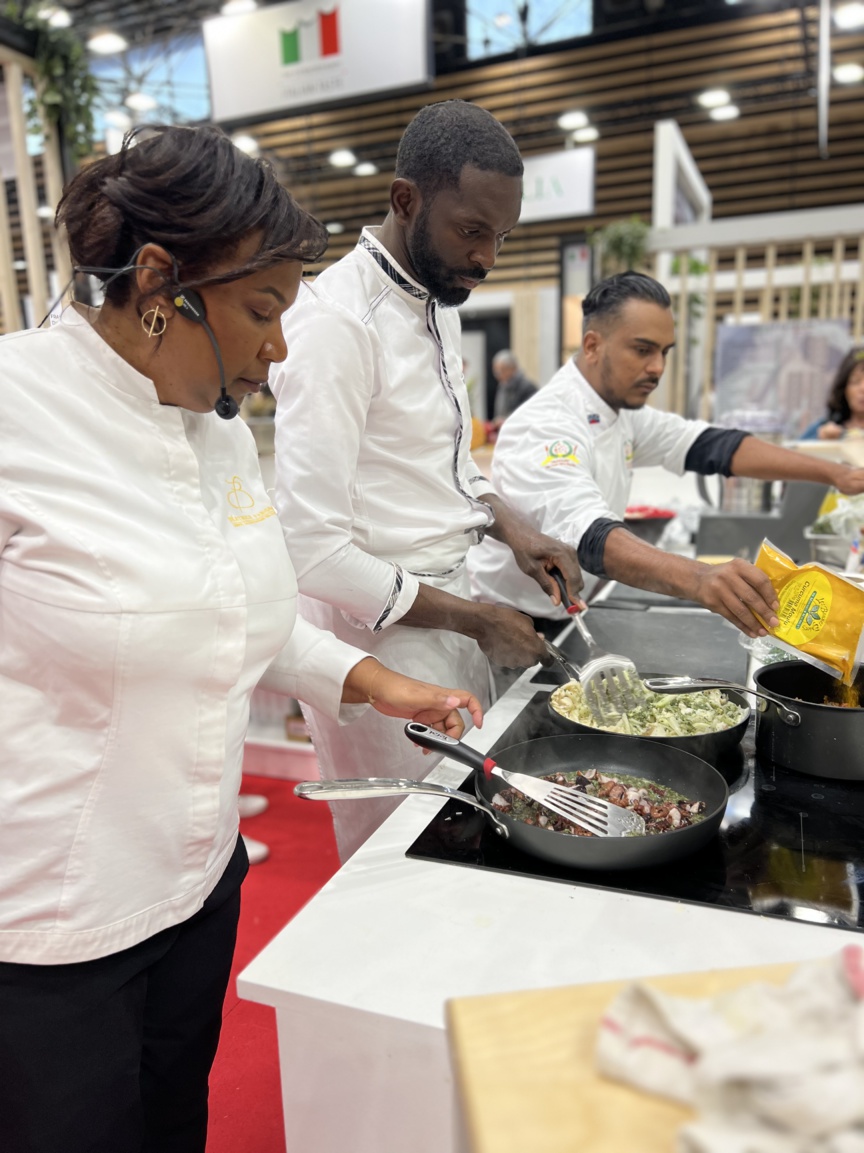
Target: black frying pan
{"points": [[610, 754]]}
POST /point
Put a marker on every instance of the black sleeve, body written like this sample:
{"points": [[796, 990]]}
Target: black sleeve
{"points": [[592, 544], [713, 450]]}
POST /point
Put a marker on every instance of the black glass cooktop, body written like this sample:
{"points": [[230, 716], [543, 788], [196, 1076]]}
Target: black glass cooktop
{"points": [[790, 846]]}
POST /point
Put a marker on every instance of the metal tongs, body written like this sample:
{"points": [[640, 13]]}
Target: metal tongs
{"points": [[610, 683]]}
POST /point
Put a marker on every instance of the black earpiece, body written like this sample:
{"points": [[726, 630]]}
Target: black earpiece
{"points": [[190, 305]]}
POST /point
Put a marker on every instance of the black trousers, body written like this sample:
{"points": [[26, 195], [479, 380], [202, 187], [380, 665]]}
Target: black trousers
{"points": [[114, 1055]]}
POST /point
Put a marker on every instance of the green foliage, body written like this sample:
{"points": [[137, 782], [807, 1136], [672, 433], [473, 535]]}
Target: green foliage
{"points": [[695, 300], [621, 245], [66, 90]]}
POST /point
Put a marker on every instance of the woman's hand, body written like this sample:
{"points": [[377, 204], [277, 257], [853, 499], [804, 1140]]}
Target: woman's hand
{"points": [[829, 431], [394, 695]]}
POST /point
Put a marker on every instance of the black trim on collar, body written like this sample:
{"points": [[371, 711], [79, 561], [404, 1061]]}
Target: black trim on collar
{"points": [[395, 275]]}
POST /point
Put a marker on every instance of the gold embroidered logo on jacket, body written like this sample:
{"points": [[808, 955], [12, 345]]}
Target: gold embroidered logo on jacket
{"points": [[240, 499]]}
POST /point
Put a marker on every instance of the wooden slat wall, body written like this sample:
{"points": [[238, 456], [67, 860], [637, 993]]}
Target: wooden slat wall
{"points": [[766, 161]]}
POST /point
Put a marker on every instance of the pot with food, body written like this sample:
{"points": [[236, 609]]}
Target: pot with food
{"points": [[708, 724], [829, 740]]}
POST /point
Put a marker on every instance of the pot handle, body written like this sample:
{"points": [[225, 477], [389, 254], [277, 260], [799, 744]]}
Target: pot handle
{"points": [[697, 684], [438, 742], [363, 788]]}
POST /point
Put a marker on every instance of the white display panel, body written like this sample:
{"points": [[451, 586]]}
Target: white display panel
{"points": [[558, 185], [312, 52]]}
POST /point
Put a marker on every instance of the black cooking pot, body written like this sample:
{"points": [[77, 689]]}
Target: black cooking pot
{"points": [[828, 741], [611, 755], [710, 747]]}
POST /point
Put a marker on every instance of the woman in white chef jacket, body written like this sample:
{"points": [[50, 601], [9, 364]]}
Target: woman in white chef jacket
{"points": [[145, 589]]}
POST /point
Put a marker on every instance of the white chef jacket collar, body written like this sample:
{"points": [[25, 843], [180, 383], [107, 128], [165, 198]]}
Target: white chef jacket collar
{"points": [[99, 358], [595, 405], [396, 276]]}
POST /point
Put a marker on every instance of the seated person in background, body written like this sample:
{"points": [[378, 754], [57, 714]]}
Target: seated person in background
{"points": [[514, 387], [565, 461], [845, 402]]}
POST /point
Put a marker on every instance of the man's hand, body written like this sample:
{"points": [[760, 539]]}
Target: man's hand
{"points": [[737, 590], [850, 481], [507, 637], [535, 553]]}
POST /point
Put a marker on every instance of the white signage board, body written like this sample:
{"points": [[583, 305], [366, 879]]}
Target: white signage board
{"points": [[558, 185], [311, 52]]}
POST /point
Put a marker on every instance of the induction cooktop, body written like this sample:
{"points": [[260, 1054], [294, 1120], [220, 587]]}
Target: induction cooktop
{"points": [[790, 846]]}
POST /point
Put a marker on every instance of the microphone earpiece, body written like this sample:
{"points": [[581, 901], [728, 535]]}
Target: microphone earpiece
{"points": [[190, 305]]}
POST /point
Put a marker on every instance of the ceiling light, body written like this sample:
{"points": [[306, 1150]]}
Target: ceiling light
{"points": [[713, 98], [45, 212], [107, 44], [367, 168], [117, 118], [849, 16], [19, 265], [848, 73], [56, 17], [141, 102], [571, 120], [503, 19], [726, 112], [247, 144], [334, 227], [343, 158], [586, 135], [238, 7]]}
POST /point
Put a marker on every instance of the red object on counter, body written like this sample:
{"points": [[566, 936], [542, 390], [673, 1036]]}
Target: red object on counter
{"points": [[648, 512]]}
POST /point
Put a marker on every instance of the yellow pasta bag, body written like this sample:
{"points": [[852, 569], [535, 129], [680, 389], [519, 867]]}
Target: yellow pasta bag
{"points": [[821, 614]]}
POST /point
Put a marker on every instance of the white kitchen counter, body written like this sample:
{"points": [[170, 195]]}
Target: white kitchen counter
{"points": [[359, 978]]}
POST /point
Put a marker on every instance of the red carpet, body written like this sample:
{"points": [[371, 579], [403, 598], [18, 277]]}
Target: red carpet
{"points": [[245, 1095]]}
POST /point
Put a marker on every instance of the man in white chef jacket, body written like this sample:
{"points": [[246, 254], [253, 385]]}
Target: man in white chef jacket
{"points": [[565, 459], [375, 484]]}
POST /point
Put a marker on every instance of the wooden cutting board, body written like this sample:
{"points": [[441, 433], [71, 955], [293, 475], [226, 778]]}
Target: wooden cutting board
{"points": [[524, 1067]]}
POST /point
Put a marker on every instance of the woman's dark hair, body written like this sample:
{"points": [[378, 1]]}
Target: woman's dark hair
{"points": [[607, 297], [443, 138], [192, 191], [838, 405]]}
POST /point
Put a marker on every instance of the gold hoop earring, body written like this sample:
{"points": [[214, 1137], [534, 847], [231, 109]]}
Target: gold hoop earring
{"points": [[157, 325]]}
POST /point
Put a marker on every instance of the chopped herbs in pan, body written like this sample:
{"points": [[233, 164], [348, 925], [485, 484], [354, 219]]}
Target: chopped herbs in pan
{"points": [[663, 809], [662, 715]]}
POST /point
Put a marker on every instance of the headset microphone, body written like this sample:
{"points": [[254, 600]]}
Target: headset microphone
{"points": [[190, 305]]}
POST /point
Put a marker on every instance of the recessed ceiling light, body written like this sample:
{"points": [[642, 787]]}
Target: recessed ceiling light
{"points": [[334, 227], [19, 265], [849, 16], [713, 98], [45, 212], [586, 135], [238, 7], [572, 120], [726, 112], [848, 73], [55, 16], [342, 158], [141, 102], [246, 144], [503, 19], [107, 43], [366, 168]]}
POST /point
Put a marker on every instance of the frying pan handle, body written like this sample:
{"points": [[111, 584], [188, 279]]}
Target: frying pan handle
{"points": [[697, 684], [363, 788], [437, 742]]}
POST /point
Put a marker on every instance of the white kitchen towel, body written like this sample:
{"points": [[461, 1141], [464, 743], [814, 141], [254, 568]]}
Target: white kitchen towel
{"points": [[771, 1069]]}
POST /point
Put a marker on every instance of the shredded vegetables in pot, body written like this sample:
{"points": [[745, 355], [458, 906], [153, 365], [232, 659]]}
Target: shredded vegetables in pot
{"points": [[662, 715]]}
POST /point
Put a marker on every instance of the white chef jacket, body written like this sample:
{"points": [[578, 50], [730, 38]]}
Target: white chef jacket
{"points": [[565, 459], [144, 589], [377, 489]]}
